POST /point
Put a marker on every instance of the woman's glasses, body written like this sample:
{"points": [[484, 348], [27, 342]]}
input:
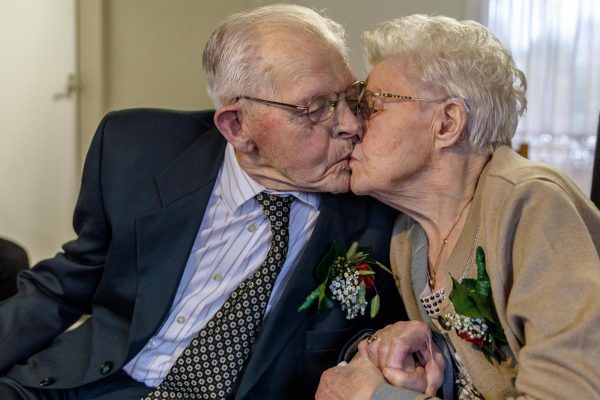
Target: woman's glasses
{"points": [[368, 104]]}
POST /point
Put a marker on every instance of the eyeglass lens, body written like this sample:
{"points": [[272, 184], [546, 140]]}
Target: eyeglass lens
{"points": [[322, 108], [367, 103]]}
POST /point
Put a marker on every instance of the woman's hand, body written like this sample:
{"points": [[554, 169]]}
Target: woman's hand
{"points": [[406, 356], [355, 381]]}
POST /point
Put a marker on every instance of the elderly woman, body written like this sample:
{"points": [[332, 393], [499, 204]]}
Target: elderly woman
{"points": [[497, 254]]}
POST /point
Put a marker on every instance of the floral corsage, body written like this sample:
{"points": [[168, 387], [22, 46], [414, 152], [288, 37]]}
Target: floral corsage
{"points": [[475, 319], [346, 277]]}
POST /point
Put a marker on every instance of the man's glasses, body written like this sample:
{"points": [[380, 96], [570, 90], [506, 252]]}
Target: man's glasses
{"points": [[321, 108], [368, 105]]}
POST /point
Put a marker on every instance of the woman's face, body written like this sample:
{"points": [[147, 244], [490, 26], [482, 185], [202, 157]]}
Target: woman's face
{"points": [[397, 146]]}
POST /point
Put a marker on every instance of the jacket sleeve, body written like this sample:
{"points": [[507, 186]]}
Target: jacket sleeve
{"points": [[56, 292], [548, 235]]}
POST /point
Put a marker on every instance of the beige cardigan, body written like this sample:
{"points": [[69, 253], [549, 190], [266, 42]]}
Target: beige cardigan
{"points": [[541, 238]]}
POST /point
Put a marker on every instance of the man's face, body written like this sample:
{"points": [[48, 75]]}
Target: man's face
{"points": [[290, 152]]}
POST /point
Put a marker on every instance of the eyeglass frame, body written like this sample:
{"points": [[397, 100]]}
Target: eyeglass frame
{"points": [[305, 108], [406, 98]]}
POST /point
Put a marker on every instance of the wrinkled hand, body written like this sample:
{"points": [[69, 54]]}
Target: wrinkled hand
{"points": [[355, 381], [406, 356]]}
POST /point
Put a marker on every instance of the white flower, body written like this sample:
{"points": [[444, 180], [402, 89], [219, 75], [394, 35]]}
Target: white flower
{"points": [[346, 289]]}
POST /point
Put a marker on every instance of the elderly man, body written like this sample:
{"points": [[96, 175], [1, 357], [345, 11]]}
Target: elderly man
{"points": [[197, 242]]}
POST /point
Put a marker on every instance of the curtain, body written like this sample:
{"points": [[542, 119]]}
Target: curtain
{"points": [[557, 45]]}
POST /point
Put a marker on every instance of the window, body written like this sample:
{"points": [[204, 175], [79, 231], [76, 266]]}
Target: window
{"points": [[557, 44]]}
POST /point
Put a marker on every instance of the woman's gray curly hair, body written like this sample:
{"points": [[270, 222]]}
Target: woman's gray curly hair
{"points": [[463, 59], [235, 55]]}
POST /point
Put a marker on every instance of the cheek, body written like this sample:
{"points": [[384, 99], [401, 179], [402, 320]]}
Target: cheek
{"points": [[387, 158], [371, 170], [302, 155], [379, 151]]}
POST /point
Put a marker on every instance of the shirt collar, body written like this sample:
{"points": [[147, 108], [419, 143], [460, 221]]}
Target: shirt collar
{"points": [[238, 187]]}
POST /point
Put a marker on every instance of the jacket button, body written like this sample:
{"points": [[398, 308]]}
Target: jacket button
{"points": [[106, 368], [47, 382]]}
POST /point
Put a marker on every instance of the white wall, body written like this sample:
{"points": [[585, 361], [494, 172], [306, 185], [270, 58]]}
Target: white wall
{"points": [[38, 172], [154, 47], [358, 16]]}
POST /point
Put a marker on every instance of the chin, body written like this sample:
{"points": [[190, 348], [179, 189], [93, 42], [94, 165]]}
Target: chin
{"points": [[357, 186], [336, 184]]}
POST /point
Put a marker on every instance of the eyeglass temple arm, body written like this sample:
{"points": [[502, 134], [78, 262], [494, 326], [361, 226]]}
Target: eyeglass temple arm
{"points": [[294, 106]]}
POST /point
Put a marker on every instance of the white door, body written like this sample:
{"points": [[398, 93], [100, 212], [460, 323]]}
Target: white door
{"points": [[38, 142]]}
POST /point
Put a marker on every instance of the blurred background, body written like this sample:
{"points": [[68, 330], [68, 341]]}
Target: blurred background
{"points": [[65, 63]]}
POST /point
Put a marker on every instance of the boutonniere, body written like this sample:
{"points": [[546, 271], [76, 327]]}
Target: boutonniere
{"points": [[475, 319], [346, 277]]}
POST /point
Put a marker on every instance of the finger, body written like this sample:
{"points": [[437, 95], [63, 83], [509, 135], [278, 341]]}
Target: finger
{"points": [[414, 380], [373, 350], [363, 349], [395, 352], [324, 384], [369, 348], [435, 372], [402, 348]]}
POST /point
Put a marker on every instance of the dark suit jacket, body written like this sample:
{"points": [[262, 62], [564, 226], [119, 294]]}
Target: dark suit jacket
{"points": [[146, 183], [13, 259]]}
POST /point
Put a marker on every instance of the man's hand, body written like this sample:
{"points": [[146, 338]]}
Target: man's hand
{"points": [[406, 355], [355, 381]]}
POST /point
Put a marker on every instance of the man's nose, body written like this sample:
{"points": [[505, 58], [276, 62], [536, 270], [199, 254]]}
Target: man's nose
{"points": [[348, 125]]}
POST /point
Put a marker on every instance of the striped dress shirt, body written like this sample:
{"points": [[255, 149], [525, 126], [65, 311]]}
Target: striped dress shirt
{"points": [[232, 242]]}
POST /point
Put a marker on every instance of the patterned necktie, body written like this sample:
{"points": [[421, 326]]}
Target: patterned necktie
{"points": [[209, 366]]}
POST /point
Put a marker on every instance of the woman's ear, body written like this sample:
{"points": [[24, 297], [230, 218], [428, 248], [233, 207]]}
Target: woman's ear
{"points": [[453, 124], [229, 120]]}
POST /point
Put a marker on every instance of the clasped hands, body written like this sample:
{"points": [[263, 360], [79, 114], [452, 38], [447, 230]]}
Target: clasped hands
{"points": [[402, 354]]}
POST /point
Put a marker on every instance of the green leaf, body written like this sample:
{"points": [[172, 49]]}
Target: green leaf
{"points": [[473, 298], [383, 267], [459, 295], [360, 254], [324, 266], [366, 272], [469, 284], [310, 299], [322, 289], [375, 301], [362, 293], [468, 302], [483, 307], [483, 280], [462, 300], [351, 250]]}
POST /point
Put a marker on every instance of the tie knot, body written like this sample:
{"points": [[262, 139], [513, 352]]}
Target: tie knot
{"points": [[276, 208]]}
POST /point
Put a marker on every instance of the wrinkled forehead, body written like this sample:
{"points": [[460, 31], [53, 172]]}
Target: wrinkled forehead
{"points": [[303, 66]]}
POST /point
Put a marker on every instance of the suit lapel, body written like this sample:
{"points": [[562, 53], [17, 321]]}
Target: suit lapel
{"points": [[337, 222], [165, 237]]}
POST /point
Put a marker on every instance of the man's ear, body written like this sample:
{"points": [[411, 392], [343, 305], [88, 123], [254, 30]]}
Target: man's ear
{"points": [[453, 123], [229, 121]]}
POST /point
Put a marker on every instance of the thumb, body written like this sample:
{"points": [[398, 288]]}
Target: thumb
{"points": [[414, 380], [434, 370], [363, 350]]}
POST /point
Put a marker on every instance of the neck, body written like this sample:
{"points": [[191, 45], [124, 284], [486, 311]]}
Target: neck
{"points": [[437, 196], [439, 199]]}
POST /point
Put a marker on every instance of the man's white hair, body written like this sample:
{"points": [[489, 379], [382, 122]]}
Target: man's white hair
{"points": [[234, 56]]}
